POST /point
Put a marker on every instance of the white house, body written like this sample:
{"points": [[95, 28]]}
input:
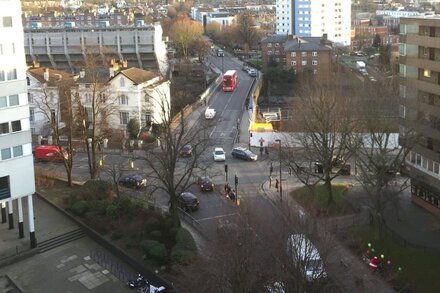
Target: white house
{"points": [[128, 93]]}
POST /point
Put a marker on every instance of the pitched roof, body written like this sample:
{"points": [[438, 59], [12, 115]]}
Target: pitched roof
{"points": [[305, 44], [138, 75], [274, 39], [54, 75]]}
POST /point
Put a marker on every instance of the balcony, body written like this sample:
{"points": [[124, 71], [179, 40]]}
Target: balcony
{"points": [[420, 63], [432, 88]]}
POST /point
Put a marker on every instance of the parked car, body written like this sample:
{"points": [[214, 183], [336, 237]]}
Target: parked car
{"points": [[305, 254], [244, 154], [210, 113], [205, 183], [186, 151], [49, 153], [133, 181], [219, 155], [188, 202]]}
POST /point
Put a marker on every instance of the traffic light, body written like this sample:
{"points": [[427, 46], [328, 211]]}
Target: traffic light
{"points": [[226, 168], [236, 179]]}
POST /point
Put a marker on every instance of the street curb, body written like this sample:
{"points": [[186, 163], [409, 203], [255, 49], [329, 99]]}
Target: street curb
{"points": [[19, 257]]}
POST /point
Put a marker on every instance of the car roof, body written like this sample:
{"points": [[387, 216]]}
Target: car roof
{"points": [[218, 149], [188, 195], [306, 247], [240, 148]]}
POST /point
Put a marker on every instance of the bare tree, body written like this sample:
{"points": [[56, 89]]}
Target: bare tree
{"points": [[94, 107], [60, 118], [167, 170], [115, 171], [322, 127], [246, 30], [378, 156], [201, 47]]}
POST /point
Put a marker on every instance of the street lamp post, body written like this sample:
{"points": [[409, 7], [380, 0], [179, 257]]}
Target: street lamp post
{"points": [[281, 180]]}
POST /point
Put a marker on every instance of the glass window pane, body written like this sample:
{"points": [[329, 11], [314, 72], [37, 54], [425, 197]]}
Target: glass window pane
{"points": [[18, 151], [12, 74], [13, 100], [6, 154], [2, 75], [4, 128], [7, 21], [3, 102], [16, 125]]}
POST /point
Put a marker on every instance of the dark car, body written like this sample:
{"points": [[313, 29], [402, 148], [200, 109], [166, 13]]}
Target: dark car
{"points": [[205, 183], [133, 181], [244, 154], [186, 151], [188, 202]]}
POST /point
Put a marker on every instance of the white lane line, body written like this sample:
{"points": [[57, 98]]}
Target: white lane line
{"points": [[213, 130], [217, 217]]}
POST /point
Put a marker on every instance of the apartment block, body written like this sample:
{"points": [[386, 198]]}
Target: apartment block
{"points": [[420, 106], [17, 181]]}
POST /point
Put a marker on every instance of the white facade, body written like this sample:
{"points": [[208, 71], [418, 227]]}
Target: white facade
{"points": [[16, 161], [314, 18]]}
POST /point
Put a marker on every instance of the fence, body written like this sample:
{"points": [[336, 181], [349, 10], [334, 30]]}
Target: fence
{"points": [[116, 268]]}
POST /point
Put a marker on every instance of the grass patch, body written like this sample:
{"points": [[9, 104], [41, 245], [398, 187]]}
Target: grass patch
{"points": [[419, 268], [316, 202]]}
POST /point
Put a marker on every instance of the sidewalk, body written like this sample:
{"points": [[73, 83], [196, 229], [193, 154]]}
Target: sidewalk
{"points": [[355, 276]]}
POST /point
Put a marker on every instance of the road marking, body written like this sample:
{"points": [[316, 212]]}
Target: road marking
{"points": [[218, 217]]}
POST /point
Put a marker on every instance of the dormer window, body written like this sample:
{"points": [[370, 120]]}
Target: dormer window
{"points": [[122, 82]]}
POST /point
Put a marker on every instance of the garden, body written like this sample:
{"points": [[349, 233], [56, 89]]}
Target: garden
{"points": [[135, 227], [407, 268]]}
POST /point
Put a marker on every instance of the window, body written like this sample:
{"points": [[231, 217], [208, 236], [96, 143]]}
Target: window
{"points": [[277, 52], [123, 116], [293, 54], [12, 74], [88, 98], [418, 160], [30, 98], [17, 151], [7, 21], [122, 82], [436, 168], [293, 63], [13, 100], [6, 154], [32, 115], [16, 125], [3, 102], [147, 119], [427, 73], [424, 163], [2, 75], [123, 100], [269, 45], [269, 52], [303, 54], [402, 111], [304, 62], [315, 62], [314, 54], [52, 97], [4, 128], [13, 48], [5, 191]]}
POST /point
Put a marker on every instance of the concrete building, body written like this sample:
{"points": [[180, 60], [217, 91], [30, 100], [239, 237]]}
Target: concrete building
{"points": [[420, 106], [315, 18], [298, 54], [66, 48], [16, 161]]}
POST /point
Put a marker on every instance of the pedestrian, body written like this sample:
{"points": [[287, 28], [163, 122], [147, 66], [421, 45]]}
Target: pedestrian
{"points": [[276, 184], [261, 151]]}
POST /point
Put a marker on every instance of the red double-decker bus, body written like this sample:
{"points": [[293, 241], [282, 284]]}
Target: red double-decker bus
{"points": [[230, 79]]}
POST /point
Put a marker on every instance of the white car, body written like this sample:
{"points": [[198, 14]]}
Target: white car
{"points": [[219, 155], [210, 113]]}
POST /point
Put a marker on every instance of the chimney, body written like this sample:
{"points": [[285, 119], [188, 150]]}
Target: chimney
{"points": [[46, 74], [82, 73]]}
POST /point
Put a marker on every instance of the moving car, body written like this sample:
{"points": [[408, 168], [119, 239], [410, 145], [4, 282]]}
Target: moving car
{"points": [[205, 183], [188, 202], [305, 254], [50, 153], [133, 181], [220, 53], [210, 113], [186, 151], [252, 72], [219, 155], [244, 154]]}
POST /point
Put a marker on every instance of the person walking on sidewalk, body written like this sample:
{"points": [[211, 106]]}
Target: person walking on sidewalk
{"points": [[276, 184]]}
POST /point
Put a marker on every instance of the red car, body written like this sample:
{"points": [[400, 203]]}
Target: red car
{"points": [[49, 153]]}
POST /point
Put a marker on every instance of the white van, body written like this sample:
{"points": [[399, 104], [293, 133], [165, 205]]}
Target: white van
{"points": [[210, 113], [303, 251]]}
